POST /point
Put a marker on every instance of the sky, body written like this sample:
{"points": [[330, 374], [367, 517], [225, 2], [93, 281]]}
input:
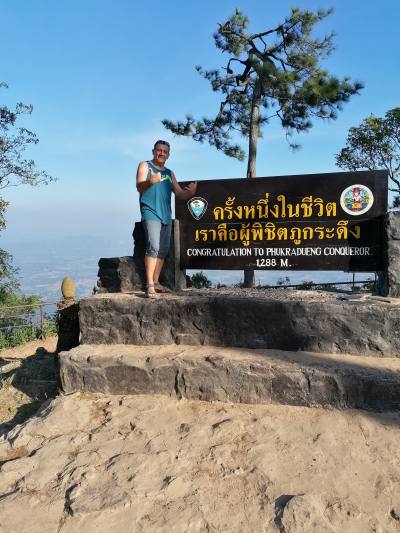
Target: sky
{"points": [[102, 74]]}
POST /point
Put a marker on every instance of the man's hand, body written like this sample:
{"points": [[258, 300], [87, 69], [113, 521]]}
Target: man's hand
{"points": [[186, 192], [143, 181], [155, 177], [191, 188]]}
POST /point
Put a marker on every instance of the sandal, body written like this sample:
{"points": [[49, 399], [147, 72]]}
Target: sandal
{"points": [[150, 291], [161, 288]]}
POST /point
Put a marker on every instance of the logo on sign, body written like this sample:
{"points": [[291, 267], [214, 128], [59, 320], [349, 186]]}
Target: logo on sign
{"points": [[356, 199], [197, 207]]}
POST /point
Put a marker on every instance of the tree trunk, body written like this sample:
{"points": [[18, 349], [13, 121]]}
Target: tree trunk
{"points": [[248, 279]]}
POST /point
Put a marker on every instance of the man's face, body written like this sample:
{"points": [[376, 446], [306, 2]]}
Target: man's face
{"points": [[161, 153]]}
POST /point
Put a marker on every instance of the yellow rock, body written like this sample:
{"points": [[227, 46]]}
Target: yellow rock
{"points": [[68, 288]]}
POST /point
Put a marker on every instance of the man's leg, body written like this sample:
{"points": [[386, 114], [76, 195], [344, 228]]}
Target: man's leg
{"points": [[150, 264], [157, 270], [165, 237], [152, 230]]}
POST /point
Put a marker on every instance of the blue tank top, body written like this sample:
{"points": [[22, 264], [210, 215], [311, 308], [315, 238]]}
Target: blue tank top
{"points": [[155, 203]]}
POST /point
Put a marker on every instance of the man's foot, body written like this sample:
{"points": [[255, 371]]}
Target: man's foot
{"points": [[151, 291], [161, 288]]}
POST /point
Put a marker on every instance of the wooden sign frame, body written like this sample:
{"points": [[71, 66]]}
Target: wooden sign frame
{"points": [[332, 221]]}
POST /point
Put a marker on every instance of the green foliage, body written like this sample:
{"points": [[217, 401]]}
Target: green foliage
{"points": [[17, 320], [15, 337], [277, 71], [8, 277], [10, 298], [200, 281], [15, 170], [375, 144], [368, 286], [49, 327], [282, 282], [11, 338], [306, 286]]}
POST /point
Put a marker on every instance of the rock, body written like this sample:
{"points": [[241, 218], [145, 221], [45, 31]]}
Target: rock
{"points": [[121, 274], [127, 274], [151, 463], [68, 325], [260, 319], [234, 375], [303, 513]]}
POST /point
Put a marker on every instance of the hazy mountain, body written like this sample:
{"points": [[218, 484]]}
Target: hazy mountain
{"points": [[44, 263]]}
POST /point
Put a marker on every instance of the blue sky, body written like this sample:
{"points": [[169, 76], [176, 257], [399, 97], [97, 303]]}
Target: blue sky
{"points": [[101, 75]]}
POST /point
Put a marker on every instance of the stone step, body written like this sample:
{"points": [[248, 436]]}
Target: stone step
{"points": [[234, 375], [274, 319]]}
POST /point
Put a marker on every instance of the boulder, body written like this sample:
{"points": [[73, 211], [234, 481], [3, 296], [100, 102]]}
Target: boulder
{"points": [[127, 274]]}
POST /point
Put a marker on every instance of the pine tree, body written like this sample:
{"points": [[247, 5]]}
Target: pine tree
{"points": [[274, 73]]}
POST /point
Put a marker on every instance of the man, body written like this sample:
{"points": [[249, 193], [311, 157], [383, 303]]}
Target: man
{"points": [[155, 183]]}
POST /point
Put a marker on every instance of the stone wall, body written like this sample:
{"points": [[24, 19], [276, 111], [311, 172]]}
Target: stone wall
{"points": [[235, 375], [127, 274], [252, 321]]}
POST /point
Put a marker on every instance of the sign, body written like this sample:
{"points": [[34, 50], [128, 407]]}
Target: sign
{"points": [[302, 222]]}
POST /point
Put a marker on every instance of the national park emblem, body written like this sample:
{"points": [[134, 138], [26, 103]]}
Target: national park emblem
{"points": [[197, 207], [356, 199]]}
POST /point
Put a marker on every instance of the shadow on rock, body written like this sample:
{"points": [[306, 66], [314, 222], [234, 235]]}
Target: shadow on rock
{"points": [[26, 385]]}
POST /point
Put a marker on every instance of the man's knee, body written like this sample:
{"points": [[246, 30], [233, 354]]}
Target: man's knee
{"points": [[152, 230], [151, 252], [165, 236], [163, 250]]}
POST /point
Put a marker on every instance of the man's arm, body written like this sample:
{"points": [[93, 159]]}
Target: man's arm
{"points": [[187, 192], [142, 183]]}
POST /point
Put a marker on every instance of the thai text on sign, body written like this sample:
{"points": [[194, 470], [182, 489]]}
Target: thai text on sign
{"points": [[318, 221]]}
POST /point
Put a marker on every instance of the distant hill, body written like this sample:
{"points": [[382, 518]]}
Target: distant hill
{"points": [[44, 263]]}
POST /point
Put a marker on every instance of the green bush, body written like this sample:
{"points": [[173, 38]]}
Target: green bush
{"points": [[18, 323], [200, 281], [15, 337]]}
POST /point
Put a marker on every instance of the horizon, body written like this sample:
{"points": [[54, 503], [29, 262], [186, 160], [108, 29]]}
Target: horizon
{"points": [[100, 87]]}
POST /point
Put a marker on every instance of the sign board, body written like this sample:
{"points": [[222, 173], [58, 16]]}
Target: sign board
{"points": [[302, 222]]}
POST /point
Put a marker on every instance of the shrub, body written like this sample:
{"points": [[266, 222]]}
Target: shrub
{"points": [[200, 281]]}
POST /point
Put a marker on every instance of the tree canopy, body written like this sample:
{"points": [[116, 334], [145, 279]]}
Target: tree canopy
{"points": [[15, 170], [273, 73], [375, 144]]}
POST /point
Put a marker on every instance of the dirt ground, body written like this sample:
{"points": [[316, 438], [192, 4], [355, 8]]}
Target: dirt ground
{"points": [[27, 378]]}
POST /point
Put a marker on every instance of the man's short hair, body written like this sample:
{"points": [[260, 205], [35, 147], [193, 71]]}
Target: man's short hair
{"points": [[160, 141]]}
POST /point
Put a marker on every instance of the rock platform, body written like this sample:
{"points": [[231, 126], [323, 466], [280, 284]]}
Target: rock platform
{"points": [[234, 375], [313, 321], [306, 348]]}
